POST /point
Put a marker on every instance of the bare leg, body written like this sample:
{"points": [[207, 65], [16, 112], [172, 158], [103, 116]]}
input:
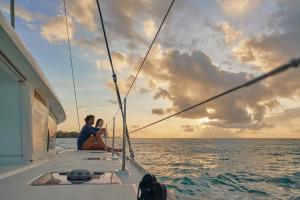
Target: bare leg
{"points": [[101, 145], [89, 143], [109, 149]]}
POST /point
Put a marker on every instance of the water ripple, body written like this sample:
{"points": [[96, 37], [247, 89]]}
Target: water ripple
{"points": [[225, 169]]}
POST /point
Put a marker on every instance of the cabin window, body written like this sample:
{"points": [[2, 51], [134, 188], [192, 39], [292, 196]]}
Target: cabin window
{"points": [[40, 115]]}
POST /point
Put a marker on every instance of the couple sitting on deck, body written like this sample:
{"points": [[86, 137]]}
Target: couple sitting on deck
{"points": [[90, 137]]}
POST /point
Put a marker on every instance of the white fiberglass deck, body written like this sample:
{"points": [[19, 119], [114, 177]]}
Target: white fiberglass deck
{"points": [[15, 182]]}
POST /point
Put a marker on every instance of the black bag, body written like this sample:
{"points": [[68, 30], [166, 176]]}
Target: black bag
{"points": [[151, 189]]}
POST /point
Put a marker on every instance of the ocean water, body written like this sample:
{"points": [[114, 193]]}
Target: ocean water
{"points": [[196, 169]]}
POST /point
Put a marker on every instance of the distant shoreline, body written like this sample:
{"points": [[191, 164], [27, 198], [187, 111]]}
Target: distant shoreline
{"points": [[65, 134]]}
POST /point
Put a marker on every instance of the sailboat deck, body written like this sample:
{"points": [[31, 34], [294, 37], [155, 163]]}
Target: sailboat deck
{"points": [[16, 184]]}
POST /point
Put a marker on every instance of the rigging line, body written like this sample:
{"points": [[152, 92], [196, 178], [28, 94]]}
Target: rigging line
{"points": [[61, 146], [114, 76], [118, 110], [117, 113], [71, 64], [150, 47], [294, 63]]}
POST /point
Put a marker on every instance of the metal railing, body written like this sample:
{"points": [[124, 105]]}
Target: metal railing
{"points": [[113, 138], [124, 136]]}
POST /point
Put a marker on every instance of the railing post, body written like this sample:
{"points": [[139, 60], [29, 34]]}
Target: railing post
{"points": [[105, 136], [113, 138], [124, 137], [12, 13]]}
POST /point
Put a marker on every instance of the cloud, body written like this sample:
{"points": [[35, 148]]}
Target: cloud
{"points": [[238, 7], [54, 30], [149, 28], [124, 20], [297, 131], [243, 127], [162, 93], [121, 17], [268, 50], [144, 91], [93, 44], [188, 128], [24, 14], [277, 46], [286, 115], [83, 12], [288, 118], [120, 62], [193, 77], [83, 106], [158, 111], [122, 84], [113, 102], [135, 126], [231, 35]]}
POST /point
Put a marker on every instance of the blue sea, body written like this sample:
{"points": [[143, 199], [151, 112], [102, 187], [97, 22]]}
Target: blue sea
{"points": [[196, 169]]}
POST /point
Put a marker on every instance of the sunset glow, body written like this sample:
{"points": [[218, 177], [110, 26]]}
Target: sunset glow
{"points": [[204, 48]]}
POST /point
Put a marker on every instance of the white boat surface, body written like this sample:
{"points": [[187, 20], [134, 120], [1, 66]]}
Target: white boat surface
{"points": [[15, 181]]}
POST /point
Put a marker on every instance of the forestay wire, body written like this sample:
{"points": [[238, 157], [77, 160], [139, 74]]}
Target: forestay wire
{"points": [[294, 63], [71, 64]]}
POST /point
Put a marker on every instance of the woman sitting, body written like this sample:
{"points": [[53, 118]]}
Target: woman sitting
{"points": [[90, 137]]}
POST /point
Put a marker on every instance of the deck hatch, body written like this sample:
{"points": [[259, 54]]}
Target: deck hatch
{"points": [[98, 152], [97, 158], [61, 178]]}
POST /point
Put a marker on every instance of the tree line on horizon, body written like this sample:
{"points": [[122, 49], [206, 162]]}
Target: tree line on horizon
{"points": [[72, 134], [66, 134]]}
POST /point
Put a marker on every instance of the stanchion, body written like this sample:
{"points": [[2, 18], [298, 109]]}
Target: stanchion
{"points": [[124, 137]]}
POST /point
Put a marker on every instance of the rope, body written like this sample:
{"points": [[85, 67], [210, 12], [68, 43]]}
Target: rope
{"points": [[114, 76], [116, 113], [294, 63], [71, 64], [61, 146]]}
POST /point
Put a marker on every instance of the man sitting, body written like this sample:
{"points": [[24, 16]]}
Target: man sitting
{"points": [[90, 137]]}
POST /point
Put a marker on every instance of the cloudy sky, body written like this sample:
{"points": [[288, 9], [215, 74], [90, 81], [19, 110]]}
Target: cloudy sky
{"points": [[204, 47]]}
